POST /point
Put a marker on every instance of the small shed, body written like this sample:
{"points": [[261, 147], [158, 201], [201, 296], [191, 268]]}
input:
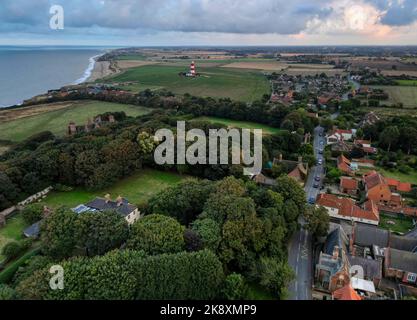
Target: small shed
{"points": [[33, 231]]}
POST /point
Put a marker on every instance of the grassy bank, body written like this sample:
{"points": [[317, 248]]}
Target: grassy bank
{"points": [[240, 124], [57, 121], [137, 188]]}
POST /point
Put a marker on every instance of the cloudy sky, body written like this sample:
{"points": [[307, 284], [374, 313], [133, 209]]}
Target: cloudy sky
{"points": [[211, 22]]}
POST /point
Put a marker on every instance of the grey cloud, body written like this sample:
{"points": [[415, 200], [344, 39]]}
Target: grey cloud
{"points": [[228, 16]]}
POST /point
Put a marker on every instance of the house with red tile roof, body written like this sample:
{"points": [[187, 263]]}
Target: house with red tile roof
{"points": [[366, 146], [341, 208], [383, 190], [344, 165], [349, 186], [399, 186], [377, 188]]}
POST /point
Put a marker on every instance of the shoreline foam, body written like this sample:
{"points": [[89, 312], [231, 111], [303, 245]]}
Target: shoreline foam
{"points": [[90, 68]]}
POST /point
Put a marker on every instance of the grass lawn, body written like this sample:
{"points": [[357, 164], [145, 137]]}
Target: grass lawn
{"points": [[132, 57], [137, 188], [12, 231], [241, 124], [412, 83], [403, 177], [407, 95], [242, 85], [57, 121], [385, 112], [400, 225]]}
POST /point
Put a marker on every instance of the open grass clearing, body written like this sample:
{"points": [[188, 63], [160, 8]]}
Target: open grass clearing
{"points": [[267, 130], [57, 121], [407, 95], [137, 188], [241, 85]]}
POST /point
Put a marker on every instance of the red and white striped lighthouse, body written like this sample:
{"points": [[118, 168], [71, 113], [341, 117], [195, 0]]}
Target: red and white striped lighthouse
{"points": [[192, 69]]}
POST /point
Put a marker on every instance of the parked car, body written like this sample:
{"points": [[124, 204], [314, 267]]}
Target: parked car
{"points": [[311, 200], [316, 186], [318, 179]]}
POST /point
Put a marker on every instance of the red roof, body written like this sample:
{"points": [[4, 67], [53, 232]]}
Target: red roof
{"points": [[348, 183], [362, 142], [342, 131], [404, 187], [348, 208], [398, 185], [373, 179], [369, 149], [346, 293], [343, 164]]}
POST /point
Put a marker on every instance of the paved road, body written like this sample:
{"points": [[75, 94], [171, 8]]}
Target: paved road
{"points": [[300, 255]]}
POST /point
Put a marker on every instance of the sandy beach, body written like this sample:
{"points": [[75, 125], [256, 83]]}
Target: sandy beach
{"points": [[102, 69]]}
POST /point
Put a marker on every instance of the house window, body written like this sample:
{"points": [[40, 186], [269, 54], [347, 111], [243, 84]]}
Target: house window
{"points": [[412, 277]]}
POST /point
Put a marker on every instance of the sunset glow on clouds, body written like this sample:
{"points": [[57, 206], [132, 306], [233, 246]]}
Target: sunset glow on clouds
{"points": [[232, 22]]}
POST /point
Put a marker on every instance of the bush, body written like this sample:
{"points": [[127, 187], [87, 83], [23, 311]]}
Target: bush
{"points": [[12, 250], [7, 293], [234, 287], [7, 274], [32, 213]]}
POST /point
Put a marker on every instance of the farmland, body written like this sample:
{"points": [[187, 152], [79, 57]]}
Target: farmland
{"points": [[412, 83], [57, 121], [136, 188], [240, 124], [407, 95], [243, 85]]}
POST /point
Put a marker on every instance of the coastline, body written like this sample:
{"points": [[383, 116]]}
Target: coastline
{"points": [[89, 70], [101, 69]]}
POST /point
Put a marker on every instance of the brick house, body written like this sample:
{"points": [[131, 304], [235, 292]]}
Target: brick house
{"points": [[332, 268], [341, 208], [349, 186], [344, 165], [377, 188]]}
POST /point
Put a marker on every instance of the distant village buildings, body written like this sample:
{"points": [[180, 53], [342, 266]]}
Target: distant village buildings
{"points": [[96, 123]]}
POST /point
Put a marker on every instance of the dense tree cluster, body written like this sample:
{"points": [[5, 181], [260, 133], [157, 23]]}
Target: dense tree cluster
{"points": [[239, 221], [128, 275], [94, 233]]}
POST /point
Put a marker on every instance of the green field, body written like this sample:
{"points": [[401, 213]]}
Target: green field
{"points": [[242, 85], [412, 83], [395, 224], [137, 188], [240, 124], [57, 121], [12, 231], [403, 177], [132, 57], [407, 95]]}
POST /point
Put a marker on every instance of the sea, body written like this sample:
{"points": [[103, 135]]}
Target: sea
{"points": [[26, 71]]}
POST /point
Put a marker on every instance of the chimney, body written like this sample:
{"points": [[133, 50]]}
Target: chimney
{"points": [[300, 159], [108, 198], [280, 157], [72, 129], [336, 252], [119, 201]]}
